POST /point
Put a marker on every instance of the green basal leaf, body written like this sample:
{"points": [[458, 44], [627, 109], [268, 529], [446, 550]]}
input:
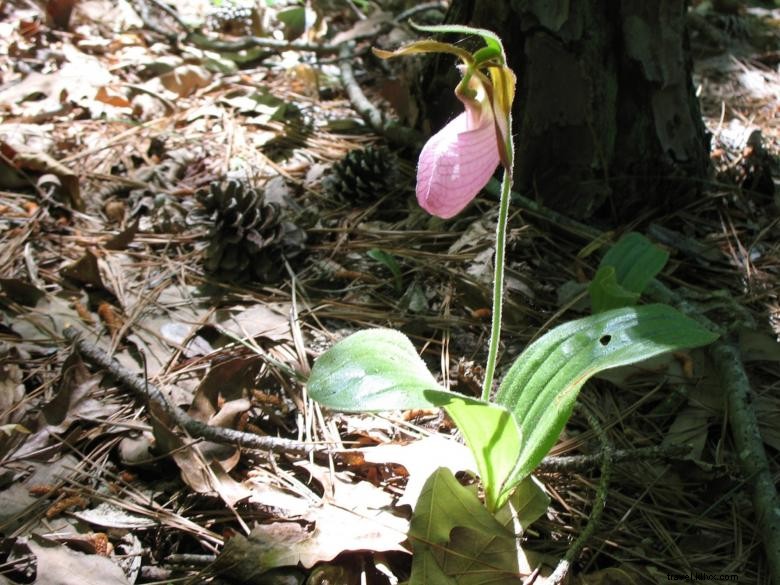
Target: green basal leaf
{"points": [[634, 261], [455, 540], [525, 506], [389, 261], [606, 293], [542, 385], [494, 438], [373, 370], [379, 369]]}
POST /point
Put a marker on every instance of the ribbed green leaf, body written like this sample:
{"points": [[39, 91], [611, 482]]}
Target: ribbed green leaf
{"points": [[379, 369], [542, 385], [625, 271], [373, 370], [607, 293], [494, 438]]}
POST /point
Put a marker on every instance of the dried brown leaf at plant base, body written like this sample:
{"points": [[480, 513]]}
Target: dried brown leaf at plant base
{"points": [[350, 517], [226, 381], [334, 531], [268, 321], [421, 458]]}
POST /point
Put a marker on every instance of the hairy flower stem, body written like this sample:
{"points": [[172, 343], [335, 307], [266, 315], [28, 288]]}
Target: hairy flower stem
{"points": [[498, 280]]}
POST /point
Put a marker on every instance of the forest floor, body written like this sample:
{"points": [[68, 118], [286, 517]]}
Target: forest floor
{"points": [[117, 139]]}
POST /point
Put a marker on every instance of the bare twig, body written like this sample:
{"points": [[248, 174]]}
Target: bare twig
{"points": [[585, 462], [750, 447], [419, 9], [562, 570], [146, 391], [390, 129], [251, 42], [744, 429]]}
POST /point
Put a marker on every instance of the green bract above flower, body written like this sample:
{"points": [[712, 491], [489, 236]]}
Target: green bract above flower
{"points": [[457, 162]]}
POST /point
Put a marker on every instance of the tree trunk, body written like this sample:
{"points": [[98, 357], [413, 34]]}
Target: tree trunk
{"points": [[605, 116]]}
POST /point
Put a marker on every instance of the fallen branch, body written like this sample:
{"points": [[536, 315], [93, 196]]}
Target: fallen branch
{"points": [[744, 429], [394, 132], [750, 448], [562, 570], [251, 42], [147, 391], [571, 463]]}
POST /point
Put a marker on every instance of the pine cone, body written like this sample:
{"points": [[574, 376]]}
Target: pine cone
{"points": [[247, 237], [363, 176], [232, 19]]}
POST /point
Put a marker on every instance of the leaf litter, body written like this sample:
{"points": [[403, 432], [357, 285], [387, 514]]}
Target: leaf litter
{"points": [[107, 132]]}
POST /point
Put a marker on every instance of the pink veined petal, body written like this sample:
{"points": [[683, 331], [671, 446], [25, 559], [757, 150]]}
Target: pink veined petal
{"points": [[455, 164]]}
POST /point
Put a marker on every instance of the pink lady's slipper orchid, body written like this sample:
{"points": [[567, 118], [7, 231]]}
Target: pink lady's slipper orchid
{"points": [[458, 161]]}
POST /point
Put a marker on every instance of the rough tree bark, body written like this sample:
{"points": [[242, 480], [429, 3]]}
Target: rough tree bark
{"points": [[605, 115]]}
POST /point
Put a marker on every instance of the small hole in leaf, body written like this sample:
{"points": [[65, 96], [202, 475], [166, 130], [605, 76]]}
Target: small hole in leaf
{"points": [[605, 339]]}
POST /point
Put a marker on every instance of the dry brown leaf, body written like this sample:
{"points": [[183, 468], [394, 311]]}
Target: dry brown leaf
{"points": [[226, 381], [17, 497], [350, 517], [26, 137], [73, 399], [43, 163], [11, 391], [112, 97], [186, 80], [203, 472], [21, 291], [60, 565], [268, 320], [85, 271], [75, 83], [59, 12], [421, 458]]}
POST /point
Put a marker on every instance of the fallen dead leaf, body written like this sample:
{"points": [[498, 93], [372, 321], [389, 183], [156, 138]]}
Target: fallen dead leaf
{"points": [[268, 320], [186, 80], [59, 565], [421, 458], [350, 517]]}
